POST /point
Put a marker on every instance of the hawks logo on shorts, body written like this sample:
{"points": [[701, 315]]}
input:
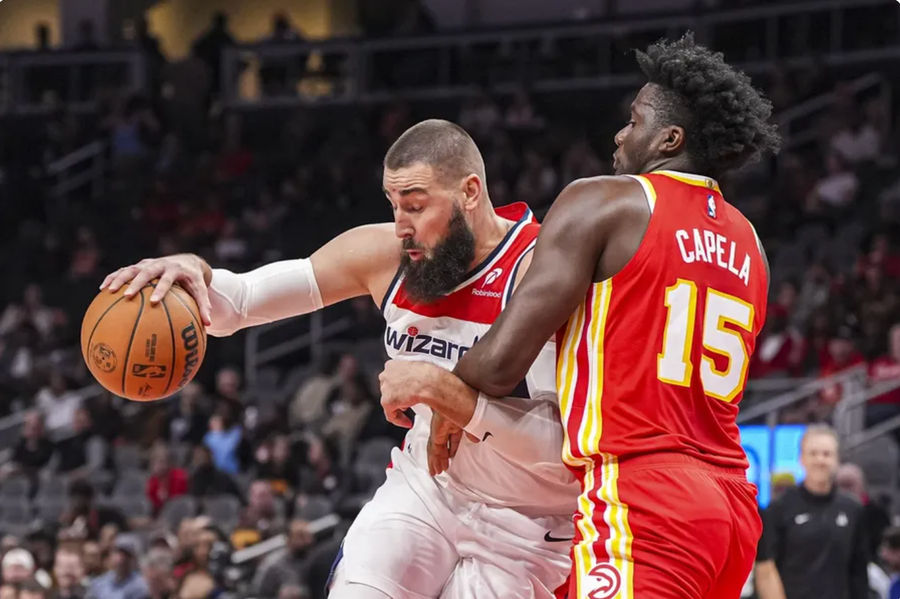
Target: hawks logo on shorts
{"points": [[608, 581]]}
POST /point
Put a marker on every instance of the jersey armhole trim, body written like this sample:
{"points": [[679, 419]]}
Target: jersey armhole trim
{"points": [[511, 282], [391, 291], [649, 191]]}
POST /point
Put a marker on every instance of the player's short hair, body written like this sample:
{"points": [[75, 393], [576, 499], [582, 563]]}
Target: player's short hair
{"points": [[819, 430], [726, 120], [444, 146]]}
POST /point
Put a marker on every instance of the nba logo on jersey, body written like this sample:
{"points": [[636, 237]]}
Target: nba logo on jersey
{"points": [[711, 206], [492, 276]]}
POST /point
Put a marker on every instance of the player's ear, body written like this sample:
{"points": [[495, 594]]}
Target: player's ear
{"points": [[472, 188], [672, 141]]}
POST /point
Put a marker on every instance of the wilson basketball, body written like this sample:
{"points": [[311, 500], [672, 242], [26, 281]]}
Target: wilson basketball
{"points": [[141, 351]]}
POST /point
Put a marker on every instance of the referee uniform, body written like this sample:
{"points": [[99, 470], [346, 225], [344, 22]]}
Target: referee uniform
{"points": [[818, 543]]}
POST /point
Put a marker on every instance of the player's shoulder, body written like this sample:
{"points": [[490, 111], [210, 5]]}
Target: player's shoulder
{"points": [[601, 188], [602, 201]]}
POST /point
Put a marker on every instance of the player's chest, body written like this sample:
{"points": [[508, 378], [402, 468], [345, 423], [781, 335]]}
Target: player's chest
{"points": [[442, 340]]}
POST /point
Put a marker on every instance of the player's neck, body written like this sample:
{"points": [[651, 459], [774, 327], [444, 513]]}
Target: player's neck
{"points": [[489, 230], [677, 163]]}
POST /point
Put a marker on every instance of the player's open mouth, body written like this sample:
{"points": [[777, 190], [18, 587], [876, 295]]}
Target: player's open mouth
{"points": [[415, 254]]}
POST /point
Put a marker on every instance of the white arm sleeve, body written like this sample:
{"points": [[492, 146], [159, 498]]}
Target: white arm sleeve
{"points": [[271, 292], [527, 431]]}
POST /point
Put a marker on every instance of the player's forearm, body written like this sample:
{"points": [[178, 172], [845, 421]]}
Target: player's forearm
{"points": [[449, 396], [266, 294], [491, 371]]}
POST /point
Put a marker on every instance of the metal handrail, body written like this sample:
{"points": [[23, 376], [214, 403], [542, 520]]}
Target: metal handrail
{"points": [[359, 51], [886, 426], [773, 406], [95, 153]]}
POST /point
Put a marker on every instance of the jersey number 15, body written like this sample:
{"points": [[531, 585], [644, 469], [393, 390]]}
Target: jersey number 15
{"points": [[674, 364]]}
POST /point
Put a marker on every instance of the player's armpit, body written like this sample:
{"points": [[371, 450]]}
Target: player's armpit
{"points": [[361, 261], [565, 258]]}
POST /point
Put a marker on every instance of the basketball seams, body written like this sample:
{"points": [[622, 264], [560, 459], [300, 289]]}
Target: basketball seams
{"points": [[137, 321], [172, 337], [87, 349], [200, 327]]}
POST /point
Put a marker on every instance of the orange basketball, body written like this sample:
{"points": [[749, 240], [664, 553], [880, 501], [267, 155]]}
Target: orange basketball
{"points": [[141, 351]]}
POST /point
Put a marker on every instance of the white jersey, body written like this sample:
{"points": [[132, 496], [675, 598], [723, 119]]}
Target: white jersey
{"points": [[440, 333]]}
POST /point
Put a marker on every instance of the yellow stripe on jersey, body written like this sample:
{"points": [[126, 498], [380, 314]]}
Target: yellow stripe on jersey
{"points": [[649, 191], [566, 375], [690, 179]]}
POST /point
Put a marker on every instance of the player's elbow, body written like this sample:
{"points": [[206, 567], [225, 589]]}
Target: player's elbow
{"points": [[501, 374]]}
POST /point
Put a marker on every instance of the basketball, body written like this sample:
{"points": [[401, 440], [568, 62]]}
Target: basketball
{"points": [[140, 351]]}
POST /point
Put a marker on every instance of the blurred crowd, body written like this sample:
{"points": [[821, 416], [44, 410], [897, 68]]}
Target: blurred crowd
{"points": [[105, 498]]}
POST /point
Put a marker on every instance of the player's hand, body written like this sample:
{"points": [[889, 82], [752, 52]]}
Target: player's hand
{"points": [[442, 444], [403, 385], [188, 270]]}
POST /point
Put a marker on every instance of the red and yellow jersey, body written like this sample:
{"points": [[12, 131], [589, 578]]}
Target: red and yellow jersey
{"points": [[655, 358]]}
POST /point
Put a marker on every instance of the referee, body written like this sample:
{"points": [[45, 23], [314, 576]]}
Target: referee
{"points": [[814, 543]]}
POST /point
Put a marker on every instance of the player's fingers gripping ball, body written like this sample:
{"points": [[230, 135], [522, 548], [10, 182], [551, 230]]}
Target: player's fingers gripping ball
{"points": [[141, 350]]}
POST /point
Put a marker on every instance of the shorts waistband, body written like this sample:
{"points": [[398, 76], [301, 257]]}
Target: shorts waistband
{"points": [[678, 460]]}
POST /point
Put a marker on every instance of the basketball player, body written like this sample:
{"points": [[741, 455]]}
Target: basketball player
{"points": [[655, 288], [497, 523]]}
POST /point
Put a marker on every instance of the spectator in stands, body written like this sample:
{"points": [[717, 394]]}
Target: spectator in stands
{"points": [[17, 566], [197, 585], [223, 439], [287, 565], [260, 519], [165, 482], [68, 572], [538, 182], [521, 114], [274, 464], [210, 45], [188, 85], [350, 407], [83, 453], [40, 543], [228, 386], [31, 589], [34, 449], [857, 141], [156, 569], [92, 558], [84, 519], [133, 129], [206, 480], [889, 552], [31, 310], [886, 369], [105, 417], [842, 355], [189, 421], [835, 193], [310, 404], [122, 581], [319, 475], [42, 37], [480, 116], [58, 403], [851, 480]]}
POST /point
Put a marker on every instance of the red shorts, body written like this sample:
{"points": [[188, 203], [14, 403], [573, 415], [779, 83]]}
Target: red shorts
{"points": [[663, 527]]}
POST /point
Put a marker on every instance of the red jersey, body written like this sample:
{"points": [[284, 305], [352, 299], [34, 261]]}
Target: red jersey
{"points": [[655, 358]]}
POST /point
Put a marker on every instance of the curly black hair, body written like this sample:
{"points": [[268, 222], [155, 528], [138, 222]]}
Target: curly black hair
{"points": [[726, 120]]}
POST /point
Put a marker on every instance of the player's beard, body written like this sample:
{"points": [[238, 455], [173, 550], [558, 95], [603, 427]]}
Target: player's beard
{"points": [[428, 279]]}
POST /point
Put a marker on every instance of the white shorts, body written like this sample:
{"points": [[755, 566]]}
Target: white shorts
{"points": [[418, 540]]}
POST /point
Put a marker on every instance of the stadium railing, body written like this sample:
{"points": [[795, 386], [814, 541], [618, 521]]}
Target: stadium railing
{"points": [[73, 78], [797, 123], [449, 55], [851, 380], [849, 416]]}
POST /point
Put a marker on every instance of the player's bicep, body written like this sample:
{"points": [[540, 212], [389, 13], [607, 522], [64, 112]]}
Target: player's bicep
{"points": [[360, 261]]}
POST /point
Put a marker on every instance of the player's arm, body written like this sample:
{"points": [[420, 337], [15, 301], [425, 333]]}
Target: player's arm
{"points": [[358, 262], [767, 581], [568, 249]]}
